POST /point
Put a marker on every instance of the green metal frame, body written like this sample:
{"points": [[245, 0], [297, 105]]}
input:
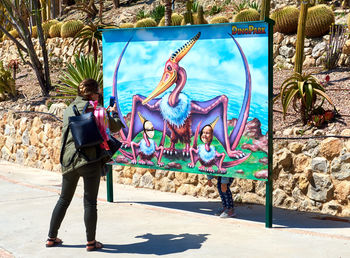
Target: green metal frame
{"points": [[269, 185]]}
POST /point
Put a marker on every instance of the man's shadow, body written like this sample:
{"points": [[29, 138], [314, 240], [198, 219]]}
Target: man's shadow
{"points": [[159, 244]]}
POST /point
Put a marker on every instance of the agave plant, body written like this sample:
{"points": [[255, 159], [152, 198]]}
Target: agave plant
{"points": [[91, 36], [305, 93], [85, 67]]}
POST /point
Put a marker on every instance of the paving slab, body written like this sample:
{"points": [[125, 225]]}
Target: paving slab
{"points": [[148, 223]]}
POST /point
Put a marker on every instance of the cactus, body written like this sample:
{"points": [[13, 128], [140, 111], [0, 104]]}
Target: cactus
{"points": [[175, 20], [195, 20], [286, 19], [219, 19], [55, 30], [319, 18], [200, 15], [7, 83], [147, 22], [14, 33], [247, 15], [188, 16], [71, 28], [126, 25], [34, 32], [348, 22], [46, 27]]}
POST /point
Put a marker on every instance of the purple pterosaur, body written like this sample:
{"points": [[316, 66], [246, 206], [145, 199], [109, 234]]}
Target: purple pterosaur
{"points": [[177, 115]]}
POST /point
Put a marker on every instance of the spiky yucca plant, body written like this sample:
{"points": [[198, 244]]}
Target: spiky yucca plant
{"points": [[286, 19], [85, 67], [303, 92]]}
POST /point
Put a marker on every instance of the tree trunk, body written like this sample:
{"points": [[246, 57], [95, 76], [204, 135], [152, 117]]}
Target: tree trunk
{"points": [[265, 9], [43, 48], [168, 12], [100, 10], [299, 55], [116, 4]]}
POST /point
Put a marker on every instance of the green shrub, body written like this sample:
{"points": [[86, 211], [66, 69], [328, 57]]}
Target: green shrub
{"points": [[157, 13], [215, 9], [71, 28], [247, 15], [318, 21], [286, 19], [147, 22]]}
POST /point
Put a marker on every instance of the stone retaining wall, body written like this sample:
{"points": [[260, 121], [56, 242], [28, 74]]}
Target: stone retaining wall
{"points": [[313, 175]]}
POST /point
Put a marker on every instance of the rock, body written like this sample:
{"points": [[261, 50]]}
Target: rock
{"points": [[245, 185], [277, 38], [319, 49], [346, 48], [173, 165], [136, 180], [295, 147], [10, 142], [146, 181], [321, 189], [280, 59], [260, 144], [160, 173], [319, 164], [310, 145], [9, 130], [342, 191], [309, 61], [285, 160], [32, 153], [121, 159], [287, 52], [330, 148], [253, 198], [288, 131], [301, 163], [262, 174], [23, 124], [340, 170], [264, 160], [253, 129], [331, 208], [5, 153], [278, 197], [303, 183], [57, 109], [183, 189]]}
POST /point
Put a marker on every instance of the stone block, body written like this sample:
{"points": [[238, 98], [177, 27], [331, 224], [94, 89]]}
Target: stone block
{"points": [[330, 148], [319, 164], [331, 208], [146, 181], [320, 188], [301, 163]]}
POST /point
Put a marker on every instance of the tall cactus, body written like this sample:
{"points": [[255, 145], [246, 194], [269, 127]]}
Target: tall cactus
{"points": [[200, 15], [265, 9], [299, 55], [188, 16]]}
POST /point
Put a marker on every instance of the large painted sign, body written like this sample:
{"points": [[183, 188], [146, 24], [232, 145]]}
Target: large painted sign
{"points": [[192, 98]]}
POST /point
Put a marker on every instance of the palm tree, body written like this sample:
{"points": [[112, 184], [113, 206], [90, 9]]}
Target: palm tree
{"points": [[168, 12]]}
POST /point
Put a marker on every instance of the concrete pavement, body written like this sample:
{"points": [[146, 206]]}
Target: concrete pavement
{"points": [[148, 223]]}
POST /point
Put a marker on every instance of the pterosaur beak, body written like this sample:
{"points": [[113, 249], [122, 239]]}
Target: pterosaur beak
{"points": [[168, 79]]}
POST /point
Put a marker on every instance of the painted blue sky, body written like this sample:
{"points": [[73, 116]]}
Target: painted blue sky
{"points": [[213, 58]]}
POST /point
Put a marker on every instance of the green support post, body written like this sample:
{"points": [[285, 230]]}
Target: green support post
{"points": [[269, 186], [109, 183]]}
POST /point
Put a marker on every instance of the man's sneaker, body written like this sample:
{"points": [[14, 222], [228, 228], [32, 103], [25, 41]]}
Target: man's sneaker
{"points": [[229, 213], [219, 211]]}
